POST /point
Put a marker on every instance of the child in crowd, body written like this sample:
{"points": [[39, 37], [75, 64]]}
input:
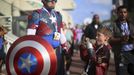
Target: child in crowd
{"points": [[102, 50], [99, 53]]}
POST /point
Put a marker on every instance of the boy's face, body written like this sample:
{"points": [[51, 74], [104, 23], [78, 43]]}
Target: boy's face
{"points": [[101, 38]]}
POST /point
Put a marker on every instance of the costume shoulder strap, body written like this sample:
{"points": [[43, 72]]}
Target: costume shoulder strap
{"points": [[59, 18]]}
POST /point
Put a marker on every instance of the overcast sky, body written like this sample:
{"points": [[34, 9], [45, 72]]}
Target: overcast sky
{"points": [[86, 9]]}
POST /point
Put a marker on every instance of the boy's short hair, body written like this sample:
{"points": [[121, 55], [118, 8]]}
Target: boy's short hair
{"points": [[105, 30]]}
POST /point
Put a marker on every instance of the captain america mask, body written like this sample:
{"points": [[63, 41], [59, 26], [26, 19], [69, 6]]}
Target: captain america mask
{"points": [[49, 4]]}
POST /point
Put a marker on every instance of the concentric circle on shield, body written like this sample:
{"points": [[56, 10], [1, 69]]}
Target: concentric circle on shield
{"points": [[31, 55]]}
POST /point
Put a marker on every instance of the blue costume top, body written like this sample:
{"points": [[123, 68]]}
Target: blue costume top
{"points": [[47, 24]]}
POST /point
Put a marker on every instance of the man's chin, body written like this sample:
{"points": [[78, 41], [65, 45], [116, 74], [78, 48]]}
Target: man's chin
{"points": [[122, 19], [50, 8]]}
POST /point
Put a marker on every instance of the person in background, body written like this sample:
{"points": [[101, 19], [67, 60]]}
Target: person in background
{"points": [[47, 23], [68, 56], [84, 54], [91, 29], [122, 42], [90, 33], [3, 31], [79, 33], [74, 38]]}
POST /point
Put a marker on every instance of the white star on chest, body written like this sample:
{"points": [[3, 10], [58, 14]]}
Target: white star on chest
{"points": [[53, 19], [27, 63]]}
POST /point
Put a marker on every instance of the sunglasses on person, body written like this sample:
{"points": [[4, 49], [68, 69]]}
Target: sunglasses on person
{"points": [[51, 0]]}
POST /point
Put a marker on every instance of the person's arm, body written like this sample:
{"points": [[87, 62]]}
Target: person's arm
{"points": [[63, 40], [91, 50], [119, 40], [33, 22]]}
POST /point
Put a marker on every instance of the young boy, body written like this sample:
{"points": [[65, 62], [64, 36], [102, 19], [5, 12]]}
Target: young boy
{"points": [[101, 55]]}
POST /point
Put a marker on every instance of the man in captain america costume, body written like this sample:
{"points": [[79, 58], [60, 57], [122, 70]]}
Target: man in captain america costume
{"points": [[47, 23]]}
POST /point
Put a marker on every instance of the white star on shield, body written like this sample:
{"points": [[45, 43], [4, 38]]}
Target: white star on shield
{"points": [[27, 63]]}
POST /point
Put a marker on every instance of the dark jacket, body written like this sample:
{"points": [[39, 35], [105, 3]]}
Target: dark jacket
{"points": [[116, 40], [90, 31]]}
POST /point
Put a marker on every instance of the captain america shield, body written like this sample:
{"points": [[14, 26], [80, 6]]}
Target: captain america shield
{"points": [[31, 55]]}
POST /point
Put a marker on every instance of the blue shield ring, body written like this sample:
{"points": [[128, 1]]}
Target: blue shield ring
{"points": [[31, 55]]}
